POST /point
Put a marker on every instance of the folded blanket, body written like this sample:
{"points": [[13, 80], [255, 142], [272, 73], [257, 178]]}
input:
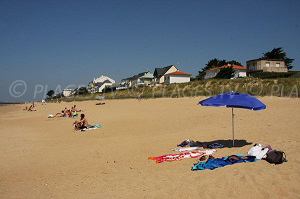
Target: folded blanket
{"points": [[180, 156], [211, 164]]}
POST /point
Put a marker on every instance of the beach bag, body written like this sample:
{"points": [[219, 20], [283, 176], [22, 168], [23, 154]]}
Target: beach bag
{"points": [[276, 157]]}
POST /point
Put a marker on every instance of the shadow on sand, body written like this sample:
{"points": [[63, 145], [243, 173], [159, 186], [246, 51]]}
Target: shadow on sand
{"points": [[227, 143]]}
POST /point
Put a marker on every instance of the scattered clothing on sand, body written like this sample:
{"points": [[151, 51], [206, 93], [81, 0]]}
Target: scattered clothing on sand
{"points": [[184, 143], [187, 149], [180, 156], [213, 163], [259, 151]]}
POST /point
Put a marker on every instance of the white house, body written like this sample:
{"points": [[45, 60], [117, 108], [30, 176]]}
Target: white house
{"points": [[67, 92], [177, 77], [98, 84], [159, 73], [240, 71]]}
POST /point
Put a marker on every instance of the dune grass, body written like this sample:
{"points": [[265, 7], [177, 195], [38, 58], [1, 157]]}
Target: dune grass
{"points": [[283, 87]]}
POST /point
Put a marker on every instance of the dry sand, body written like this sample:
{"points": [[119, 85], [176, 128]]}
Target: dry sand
{"points": [[46, 158]]}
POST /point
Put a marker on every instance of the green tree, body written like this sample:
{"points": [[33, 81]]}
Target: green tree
{"points": [[233, 62], [215, 63], [81, 91], [50, 93], [225, 73], [278, 53]]}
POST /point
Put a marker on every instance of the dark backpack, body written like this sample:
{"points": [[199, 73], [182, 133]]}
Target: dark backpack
{"points": [[276, 157]]}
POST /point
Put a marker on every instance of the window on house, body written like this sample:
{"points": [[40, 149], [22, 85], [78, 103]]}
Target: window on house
{"points": [[277, 64], [267, 64]]}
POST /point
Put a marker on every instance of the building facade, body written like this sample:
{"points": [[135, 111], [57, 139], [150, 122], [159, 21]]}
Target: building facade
{"points": [[239, 71], [159, 73], [177, 77], [98, 84], [266, 65]]}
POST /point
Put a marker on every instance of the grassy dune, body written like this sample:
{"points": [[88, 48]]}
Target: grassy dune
{"points": [[284, 87]]}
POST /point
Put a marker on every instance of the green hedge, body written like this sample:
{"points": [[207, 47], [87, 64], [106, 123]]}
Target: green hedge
{"points": [[272, 75]]}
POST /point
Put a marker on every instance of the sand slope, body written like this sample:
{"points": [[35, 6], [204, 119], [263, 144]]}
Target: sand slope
{"points": [[46, 158]]}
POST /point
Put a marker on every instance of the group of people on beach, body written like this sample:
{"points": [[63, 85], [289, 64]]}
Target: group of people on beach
{"points": [[71, 113]]}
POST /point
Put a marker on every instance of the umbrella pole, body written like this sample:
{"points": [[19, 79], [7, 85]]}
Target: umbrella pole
{"points": [[232, 128]]}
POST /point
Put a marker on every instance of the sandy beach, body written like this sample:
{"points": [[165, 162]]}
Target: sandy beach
{"points": [[45, 158]]}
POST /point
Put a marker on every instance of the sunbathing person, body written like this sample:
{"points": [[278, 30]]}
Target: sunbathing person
{"points": [[69, 113], [59, 114], [31, 108], [74, 109], [82, 123]]}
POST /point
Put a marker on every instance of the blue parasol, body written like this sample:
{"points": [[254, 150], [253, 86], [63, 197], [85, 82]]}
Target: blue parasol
{"points": [[234, 100]]}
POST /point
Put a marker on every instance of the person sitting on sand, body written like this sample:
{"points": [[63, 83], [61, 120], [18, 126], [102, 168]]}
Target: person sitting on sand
{"points": [[68, 113], [74, 109], [82, 123], [31, 108]]}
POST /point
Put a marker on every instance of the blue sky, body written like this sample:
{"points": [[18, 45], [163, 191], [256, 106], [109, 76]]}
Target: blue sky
{"points": [[51, 43]]}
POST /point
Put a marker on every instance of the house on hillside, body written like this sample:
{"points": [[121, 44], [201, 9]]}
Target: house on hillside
{"points": [[177, 77], [125, 83], [67, 92], [99, 84], [141, 79], [240, 71], [159, 73], [266, 65]]}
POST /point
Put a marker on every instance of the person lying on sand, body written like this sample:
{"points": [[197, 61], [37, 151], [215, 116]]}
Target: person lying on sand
{"points": [[59, 114], [82, 123]]}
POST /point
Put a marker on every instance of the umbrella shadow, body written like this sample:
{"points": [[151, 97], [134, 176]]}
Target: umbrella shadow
{"points": [[228, 143], [225, 143]]}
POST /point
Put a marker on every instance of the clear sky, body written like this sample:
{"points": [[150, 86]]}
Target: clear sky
{"points": [[53, 43]]}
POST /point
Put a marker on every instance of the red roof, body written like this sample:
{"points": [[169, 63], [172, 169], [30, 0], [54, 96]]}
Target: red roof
{"points": [[178, 73], [235, 67]]}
